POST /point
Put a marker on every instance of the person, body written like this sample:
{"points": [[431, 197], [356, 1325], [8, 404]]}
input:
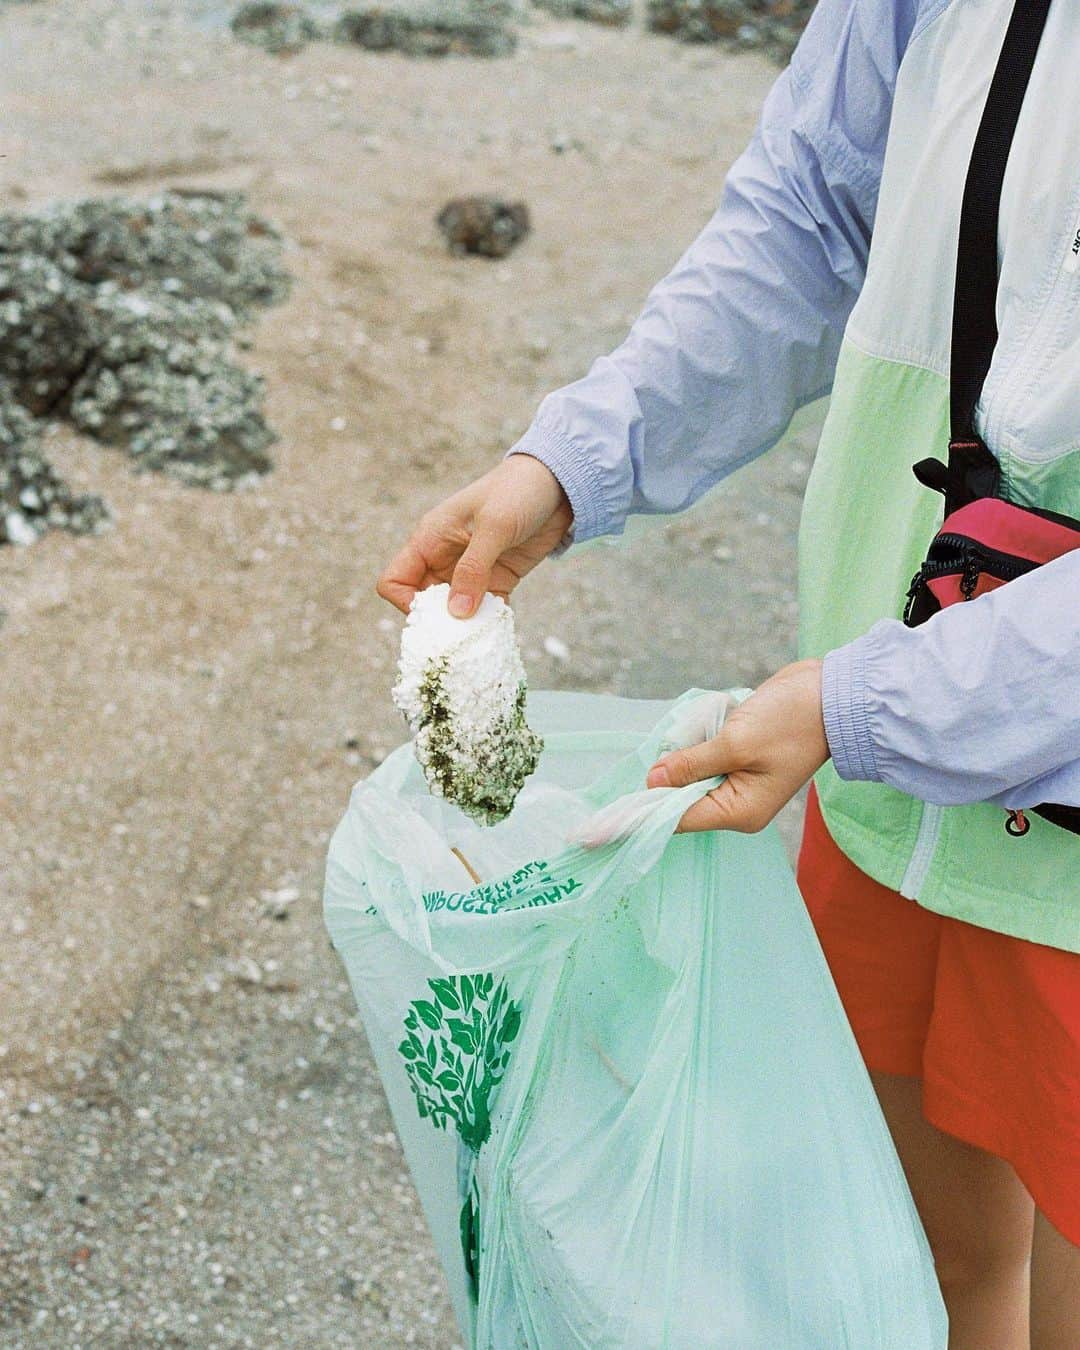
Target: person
{"points": [[827, 267]]}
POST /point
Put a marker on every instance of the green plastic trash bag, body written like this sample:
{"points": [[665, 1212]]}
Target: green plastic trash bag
{"points": [[623, 1080]]}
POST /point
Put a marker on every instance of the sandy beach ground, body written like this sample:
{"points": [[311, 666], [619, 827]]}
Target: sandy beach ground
{"points": [[194, 1147]]}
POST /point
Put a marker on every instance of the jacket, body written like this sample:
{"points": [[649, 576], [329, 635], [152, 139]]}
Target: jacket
{"points": [[827, 268]]}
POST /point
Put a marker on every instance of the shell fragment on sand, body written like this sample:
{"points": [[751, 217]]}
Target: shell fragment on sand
{"points": [[461, 686]]}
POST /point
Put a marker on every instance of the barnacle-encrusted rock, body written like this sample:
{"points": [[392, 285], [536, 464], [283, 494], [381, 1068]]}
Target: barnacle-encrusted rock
{"points": [[274, 27], [32, 496], [773, 26], [204, 245], [427, 29], [45, 337], [484, 225], [120, 316], [159, 385], [461, 686]]}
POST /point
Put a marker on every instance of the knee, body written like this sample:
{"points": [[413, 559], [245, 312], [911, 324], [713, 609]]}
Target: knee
{"points": [[972, 1260]]}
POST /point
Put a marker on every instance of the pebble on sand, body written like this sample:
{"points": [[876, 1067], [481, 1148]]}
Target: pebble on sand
{"points": [[487, 226]]}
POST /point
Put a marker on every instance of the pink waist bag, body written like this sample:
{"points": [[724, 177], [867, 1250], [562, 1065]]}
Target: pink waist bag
{"points": [[982, 545], [986, 541]]}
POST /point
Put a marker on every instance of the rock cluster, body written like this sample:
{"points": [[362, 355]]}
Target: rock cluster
{"points": [[440, 29], [120, 317], [32, 497], [773, 26], [488, 27], [275, 27], [415, 27]]}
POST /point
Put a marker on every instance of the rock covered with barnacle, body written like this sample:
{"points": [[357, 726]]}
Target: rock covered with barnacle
{"points": [[461, 686]]}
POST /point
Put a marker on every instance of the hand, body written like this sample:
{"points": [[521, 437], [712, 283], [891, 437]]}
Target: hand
{"points": [[699, 720], [484, 538], [769, 747]]}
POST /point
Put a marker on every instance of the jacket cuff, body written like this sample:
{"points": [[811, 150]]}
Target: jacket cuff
{"points": [[847, 719], [575, 472]]}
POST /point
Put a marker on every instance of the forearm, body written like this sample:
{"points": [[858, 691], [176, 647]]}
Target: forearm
{"points": [[982, 703]]}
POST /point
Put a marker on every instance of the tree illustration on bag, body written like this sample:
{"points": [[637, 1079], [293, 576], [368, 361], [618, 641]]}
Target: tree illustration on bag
{"points": [[456, 1050]]}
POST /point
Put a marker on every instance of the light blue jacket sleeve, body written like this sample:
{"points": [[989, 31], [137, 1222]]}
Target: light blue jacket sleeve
{"points": [[980, 703], [746, 328]]}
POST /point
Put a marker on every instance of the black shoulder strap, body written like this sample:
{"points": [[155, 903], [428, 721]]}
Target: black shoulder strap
{"points": [[972, 469]]}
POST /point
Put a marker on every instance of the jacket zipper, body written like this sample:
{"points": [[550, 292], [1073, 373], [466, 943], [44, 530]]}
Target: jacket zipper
{"points": [[1029, 349], [923, 853]]}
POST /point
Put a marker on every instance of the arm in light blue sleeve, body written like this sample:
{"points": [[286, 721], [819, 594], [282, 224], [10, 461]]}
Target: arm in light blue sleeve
{"points": [[747, 327], [980, 703]]}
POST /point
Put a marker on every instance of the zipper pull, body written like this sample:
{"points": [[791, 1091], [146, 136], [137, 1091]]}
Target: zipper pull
{"points": [[1017, 824], [912, 592], [970, 578], [1072, 253]]}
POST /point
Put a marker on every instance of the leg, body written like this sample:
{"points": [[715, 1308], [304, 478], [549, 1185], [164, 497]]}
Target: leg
{"points": [[978, 1218], [1055, 1289]]}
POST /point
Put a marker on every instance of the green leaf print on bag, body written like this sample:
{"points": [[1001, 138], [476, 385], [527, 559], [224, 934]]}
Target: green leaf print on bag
{"points": [[455, 1070]]}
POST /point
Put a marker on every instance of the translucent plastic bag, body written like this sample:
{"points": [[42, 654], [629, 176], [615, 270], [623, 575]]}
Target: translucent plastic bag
{"points": [[623, 1080]]}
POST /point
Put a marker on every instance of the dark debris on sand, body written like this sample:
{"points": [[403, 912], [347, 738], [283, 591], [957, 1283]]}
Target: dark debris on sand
{"points": [[486, 226]]}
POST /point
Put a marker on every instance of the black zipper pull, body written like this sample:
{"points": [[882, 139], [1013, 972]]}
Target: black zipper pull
{"points": [[970, 578], [912, 592]]}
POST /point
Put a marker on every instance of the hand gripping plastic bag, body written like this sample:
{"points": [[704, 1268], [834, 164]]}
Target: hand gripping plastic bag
{"points": [[623, 1080]]}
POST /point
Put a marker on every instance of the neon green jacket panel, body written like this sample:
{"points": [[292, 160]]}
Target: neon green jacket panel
{"points": [[866, 523]]}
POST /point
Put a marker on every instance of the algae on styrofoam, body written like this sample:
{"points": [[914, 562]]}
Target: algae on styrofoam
{"points": [[482, 774]]}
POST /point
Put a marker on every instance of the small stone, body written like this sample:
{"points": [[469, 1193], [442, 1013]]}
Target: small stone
{"points": [[18, 530], [559, 40], [246, 970], [556, 648], [275, 904], [487, 226]]}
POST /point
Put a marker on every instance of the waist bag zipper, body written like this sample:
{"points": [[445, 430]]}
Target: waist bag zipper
{"points": [[969, 578]]}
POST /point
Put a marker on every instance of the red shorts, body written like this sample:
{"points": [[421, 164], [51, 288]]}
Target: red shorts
{"points": [[991, 1024]]}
